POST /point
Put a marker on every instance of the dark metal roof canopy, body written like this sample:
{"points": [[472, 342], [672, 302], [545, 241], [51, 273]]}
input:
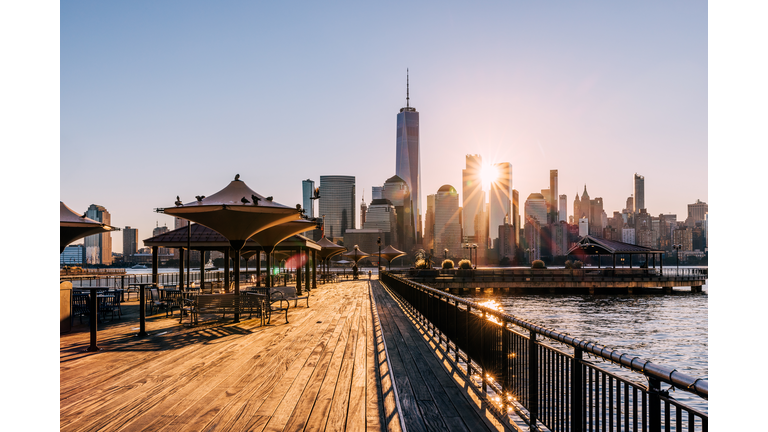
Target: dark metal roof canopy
{"points": [[204, 238], [599, 246]]}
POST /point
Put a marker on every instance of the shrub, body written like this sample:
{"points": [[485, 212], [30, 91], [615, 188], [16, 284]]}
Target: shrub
{"points": [[465, 264], [447, 264], [538, 264], [578, 264], [568, 264]]}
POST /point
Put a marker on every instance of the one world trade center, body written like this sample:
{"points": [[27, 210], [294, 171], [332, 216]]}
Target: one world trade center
{"points": [[408, 166]]}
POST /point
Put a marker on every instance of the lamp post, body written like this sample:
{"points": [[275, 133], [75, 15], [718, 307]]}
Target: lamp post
{"points": [[677, 248], [528, 253], [378, 242], [474, 263]]}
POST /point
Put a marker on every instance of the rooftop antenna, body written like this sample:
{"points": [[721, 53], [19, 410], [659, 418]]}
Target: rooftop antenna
{"points": [[407, 89]]}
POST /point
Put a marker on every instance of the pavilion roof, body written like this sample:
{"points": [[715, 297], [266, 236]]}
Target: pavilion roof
{"points": [[594, 245], [201, 237]]}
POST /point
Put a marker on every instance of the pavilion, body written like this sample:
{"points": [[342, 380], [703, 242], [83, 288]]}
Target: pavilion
{"points": [[589, 245]]}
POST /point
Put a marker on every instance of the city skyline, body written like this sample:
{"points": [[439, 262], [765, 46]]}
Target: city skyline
{"points": [[561, 97]]}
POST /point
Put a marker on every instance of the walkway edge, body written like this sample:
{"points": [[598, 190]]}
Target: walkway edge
{"points": [[377, 324]]}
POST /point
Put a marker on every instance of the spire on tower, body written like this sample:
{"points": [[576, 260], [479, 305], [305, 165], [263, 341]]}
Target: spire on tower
{"points": [[407, 89]]}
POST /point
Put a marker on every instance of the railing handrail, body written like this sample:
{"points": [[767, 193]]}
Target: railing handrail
{"points": [[697, 386]]}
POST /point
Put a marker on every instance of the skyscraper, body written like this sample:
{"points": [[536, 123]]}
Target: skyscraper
{"points": [[501, 198], [397, 192], [98, 247], [562, 209], [515, 217], [408, 166], [130, 242], [382, 216], [447, 227], [472, 193], [553, 196], [337, 204], [639, 193], [307, 192], [536, 207], [429, 224]]}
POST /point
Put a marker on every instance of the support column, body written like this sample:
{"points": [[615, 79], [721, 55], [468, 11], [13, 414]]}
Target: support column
{"points": [[298, 272], [181, 268], [307, 275], [258, 269], [269, 270], [314, 269], [202, 269], [226, 270], [237, 284], [155, 264]]}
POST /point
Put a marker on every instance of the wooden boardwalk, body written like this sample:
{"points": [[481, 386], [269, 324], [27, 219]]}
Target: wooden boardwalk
{"points": [[325, 370]]}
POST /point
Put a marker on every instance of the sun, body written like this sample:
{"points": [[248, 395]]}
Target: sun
{"points": [[488, 174]]}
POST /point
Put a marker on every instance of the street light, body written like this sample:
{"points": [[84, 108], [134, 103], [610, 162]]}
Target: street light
{"points": [[677, 248], [446, 253], [474, 246], [378, 242]]}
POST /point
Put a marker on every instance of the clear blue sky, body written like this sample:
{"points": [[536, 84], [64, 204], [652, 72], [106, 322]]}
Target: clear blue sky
{"points": [[170, 98]]}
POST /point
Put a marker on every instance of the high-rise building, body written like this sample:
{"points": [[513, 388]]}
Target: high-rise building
{"points": [[377, 192], [429, 224], [397, 192], [576, 209], [500, 198], [536, 208], [156, 232], [363, 211], [337, 204], [98, 247], [545, 194], [553, 196], [73, 255], [584, 205], [506, 242], [698, 211], [408, 165], [515, 219], [130, 242], [562, 209], [307, 192], [639, 193], [447, 227], [596, 217], [382, 216], [473, 196]]}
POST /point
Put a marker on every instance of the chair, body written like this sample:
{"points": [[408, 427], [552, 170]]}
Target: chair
{"points": [[80, 306], [155, 302], [107, 304]]}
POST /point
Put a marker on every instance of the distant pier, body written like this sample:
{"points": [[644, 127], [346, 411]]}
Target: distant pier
{"points": [[618, 281]]}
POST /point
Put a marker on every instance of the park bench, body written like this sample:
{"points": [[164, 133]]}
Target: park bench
{"points": [[223, 304], [286, 294]]}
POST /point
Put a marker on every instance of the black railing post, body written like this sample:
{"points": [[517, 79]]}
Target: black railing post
{"points": [[533, 380], [654, 405], [456, 327], [577, 407], [483, 370], [505, 365], [466, 348]]}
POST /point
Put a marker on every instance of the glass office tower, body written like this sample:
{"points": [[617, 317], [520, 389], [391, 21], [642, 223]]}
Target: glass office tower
{"points": [[307, 192], [407, 162], [337, 204]]}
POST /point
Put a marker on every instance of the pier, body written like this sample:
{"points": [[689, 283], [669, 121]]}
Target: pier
{"points": [[366, 355], [562, 281]]}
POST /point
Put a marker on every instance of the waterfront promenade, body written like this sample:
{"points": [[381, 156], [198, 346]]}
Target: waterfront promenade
{"points": [[326, 369]]}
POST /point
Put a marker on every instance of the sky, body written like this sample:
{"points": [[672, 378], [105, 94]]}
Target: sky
{"points": [[160, 99]]}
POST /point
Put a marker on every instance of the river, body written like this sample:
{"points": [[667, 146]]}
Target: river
{"points": [[671, 330]]}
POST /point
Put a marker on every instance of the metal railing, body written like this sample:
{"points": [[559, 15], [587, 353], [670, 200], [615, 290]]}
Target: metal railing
{"points": [[559, 390]]}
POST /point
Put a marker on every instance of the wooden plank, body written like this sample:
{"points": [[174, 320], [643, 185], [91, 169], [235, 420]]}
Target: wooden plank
{"points": [[374, 408], [337, 417], [312, 399], [390, 417]]}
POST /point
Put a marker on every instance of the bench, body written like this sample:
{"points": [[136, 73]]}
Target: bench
{"points": [[286, 294], [266, 295], [223, 304]]}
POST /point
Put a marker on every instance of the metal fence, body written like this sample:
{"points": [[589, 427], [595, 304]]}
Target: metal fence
{"points": [[559, 390]]}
